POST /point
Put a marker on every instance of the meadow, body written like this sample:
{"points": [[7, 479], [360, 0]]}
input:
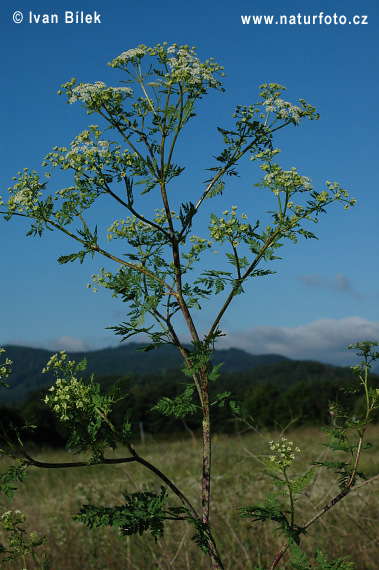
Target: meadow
{"points": [[50, 497]]}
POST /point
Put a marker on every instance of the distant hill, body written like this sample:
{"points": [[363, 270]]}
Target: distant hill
{"points": [[273, 389], [28, 363]]}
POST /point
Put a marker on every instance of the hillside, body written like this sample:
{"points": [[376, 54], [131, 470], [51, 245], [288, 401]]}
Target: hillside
{"points": [[273, 389], [28, 363]]}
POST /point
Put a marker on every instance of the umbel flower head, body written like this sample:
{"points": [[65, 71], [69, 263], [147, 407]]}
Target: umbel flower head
{"points": [[86, 91], [179, 65], [284, 452], [68, 396]]}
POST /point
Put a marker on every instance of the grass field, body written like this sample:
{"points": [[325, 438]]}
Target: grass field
{"points": [[50, 497]]}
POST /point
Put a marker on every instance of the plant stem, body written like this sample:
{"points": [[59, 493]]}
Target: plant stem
{"points": [[334, 501], [206, 480]]}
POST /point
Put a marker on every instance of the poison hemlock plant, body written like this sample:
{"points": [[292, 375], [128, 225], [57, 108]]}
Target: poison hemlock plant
{"points": [[346, 435], [158, 274], [19, 546]]}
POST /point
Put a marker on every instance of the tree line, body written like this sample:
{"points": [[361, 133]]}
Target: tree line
{"points": [[273, 395]]}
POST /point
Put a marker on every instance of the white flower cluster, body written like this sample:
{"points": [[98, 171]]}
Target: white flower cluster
{"points": [[285, 453], [132, 55], [26, 192], [68, 396], [284, 109], [9, 520], [284, 180], [85, 92], [87, 151], [185, 66], [23, 199], [181, 61]]}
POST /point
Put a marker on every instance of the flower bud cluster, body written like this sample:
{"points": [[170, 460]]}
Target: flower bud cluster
{"points": [[102, 279], [55, 158], [245, 113], [124, 228], [199, 245], [9, 519], [26, 192], [266, 154], [365, 348], [160, 216], [284, 453], [19, 545], [133, 227], [59, 362], [5, 367], [68, 397], [231, 230], [271, 90], [340, 194]]}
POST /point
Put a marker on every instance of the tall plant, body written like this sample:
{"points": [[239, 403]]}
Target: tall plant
{"points": [[165, 270]]}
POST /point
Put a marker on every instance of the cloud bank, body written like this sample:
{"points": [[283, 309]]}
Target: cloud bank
{"points": [[325, 340]]}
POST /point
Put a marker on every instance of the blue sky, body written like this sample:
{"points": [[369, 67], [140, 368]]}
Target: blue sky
{"points": [[325, 293]]}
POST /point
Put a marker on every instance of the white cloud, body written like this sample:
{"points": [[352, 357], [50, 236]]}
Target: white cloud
{"points": [[65, 342], [339, 283], [70, 344], [325, 340]]}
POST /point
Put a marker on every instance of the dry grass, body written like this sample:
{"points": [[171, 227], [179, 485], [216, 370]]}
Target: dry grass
{"points": [[51, 497]]}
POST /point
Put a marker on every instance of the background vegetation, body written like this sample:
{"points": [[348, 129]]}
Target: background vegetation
{"points": [[274, 390], [238, 479]]}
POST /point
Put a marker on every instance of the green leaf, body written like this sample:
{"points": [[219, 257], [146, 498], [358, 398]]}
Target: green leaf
{"points": [[141, 512], [299, 482], [271, 510], [221, 399], [15, 474], [339, 563], [299, 560], [179, 407], [72, 257], [202, 536]]}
